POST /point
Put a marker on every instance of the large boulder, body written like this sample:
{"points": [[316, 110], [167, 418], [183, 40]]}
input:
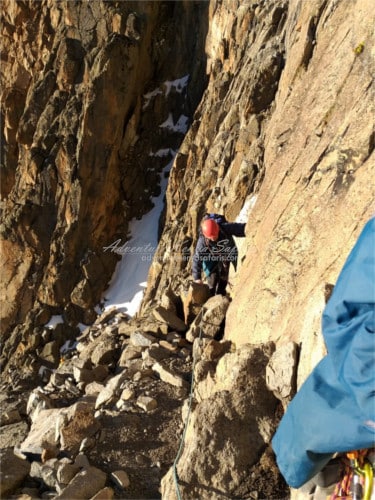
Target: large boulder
{"points": [[216, 460], [210, 318], [12, 472]]}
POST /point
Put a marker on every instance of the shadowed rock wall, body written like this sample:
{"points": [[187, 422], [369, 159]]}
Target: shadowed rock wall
{"points": [[84, 95]]}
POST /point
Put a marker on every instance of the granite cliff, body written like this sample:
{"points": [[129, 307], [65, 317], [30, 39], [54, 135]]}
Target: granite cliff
{"points": [[270, 104]]}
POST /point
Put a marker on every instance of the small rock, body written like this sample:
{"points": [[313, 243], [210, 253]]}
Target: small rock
{"points": [[142, 374], [29, 494], [141, 339], [127, 394], [36, 469], [48, 495], [93, 389], [168, 376], [48, 472], [37, 401], [184, 352], [10, 417], [82, 375], [167, 345], [147, 403], [153, 354], [87, 444], [48, 453], [281, 372], [121, 479]]}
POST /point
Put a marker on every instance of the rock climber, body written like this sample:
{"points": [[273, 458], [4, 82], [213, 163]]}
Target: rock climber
{"points": [[215, 251]]}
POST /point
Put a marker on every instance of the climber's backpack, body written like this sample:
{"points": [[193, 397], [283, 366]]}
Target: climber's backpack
{"points": [[220, 219]]}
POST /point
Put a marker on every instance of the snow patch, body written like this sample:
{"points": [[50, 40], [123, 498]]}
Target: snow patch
{"points": [[55, 320], [161, 153], [129, 280], [180, 126], [178, 84], [69, 345], [249, 204]]}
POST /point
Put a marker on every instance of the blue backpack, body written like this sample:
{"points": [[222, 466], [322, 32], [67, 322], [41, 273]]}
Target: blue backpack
{"points": [[220, 219]]}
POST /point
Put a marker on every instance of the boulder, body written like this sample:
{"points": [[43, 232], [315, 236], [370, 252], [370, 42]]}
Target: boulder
{"points": [[169, 376], [64, 426], [13, 471], [141, 339], [65, 472], [48, 473], [37, 401], [281, 372], [105, 352], [80, 423], [215, 458], [111, 390], [42, 432], [210, 318], [147, 403], [13, 434], [84, 485], [170, 318], [192, 299]]}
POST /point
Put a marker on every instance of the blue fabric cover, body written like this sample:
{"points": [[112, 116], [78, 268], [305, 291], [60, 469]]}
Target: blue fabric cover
{"points": [[334, 411]]}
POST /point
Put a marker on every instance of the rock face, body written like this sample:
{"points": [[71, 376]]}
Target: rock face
{"points": [[96, 97], [296, 139], [228, 432], [94, 104]]}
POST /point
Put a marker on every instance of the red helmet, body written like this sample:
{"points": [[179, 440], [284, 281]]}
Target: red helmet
{"points": [[210, 229]]}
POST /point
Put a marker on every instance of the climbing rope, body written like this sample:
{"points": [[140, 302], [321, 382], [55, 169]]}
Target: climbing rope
{"points": [[182, 441], [356, 482]]}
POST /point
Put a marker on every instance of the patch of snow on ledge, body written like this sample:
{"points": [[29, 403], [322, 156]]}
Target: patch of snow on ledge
{"points": [[129, 280]]}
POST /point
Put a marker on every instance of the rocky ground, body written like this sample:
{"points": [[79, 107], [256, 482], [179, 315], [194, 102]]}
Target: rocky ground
{"points": [[107, 421]]}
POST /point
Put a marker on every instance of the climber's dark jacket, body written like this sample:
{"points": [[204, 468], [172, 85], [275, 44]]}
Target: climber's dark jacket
{"points": [[224, 249], [334, 411]]}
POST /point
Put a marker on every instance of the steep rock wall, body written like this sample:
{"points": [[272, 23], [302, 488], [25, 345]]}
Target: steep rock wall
{"points": [[317, 191], [287, 123], [221, 161], [287, 118], [84, 95]]}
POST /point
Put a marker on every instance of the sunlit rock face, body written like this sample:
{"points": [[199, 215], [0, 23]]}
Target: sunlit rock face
{"points": [[91, 92], [286, 122]]}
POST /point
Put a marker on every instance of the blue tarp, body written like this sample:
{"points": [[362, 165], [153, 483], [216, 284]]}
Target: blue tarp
{"points": [[334, 411]]}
